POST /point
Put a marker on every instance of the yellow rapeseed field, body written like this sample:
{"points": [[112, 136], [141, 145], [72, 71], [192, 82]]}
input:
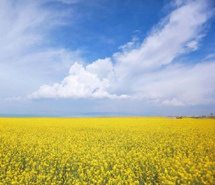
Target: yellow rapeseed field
{"points": [[107, 151]]}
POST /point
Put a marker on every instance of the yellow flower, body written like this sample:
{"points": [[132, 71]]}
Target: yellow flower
{"points": [[106, 151]]}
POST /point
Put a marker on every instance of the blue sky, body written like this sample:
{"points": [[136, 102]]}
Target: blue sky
{"points": [[109, 57]]}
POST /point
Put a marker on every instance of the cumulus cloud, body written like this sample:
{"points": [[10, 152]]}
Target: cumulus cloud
{"points": [[89, 82], [146, 70]]}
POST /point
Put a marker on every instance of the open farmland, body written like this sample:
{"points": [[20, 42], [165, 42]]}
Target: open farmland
{"points": [[107, 151]]}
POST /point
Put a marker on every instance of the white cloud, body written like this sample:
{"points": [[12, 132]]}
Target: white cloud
{"points": [[103, 68], [134, 43], [210, 56], [168, 40], [22, 27], [81, 82], [25, 46], [180, 85], [55, 59], [69, 1], [146, 70]]}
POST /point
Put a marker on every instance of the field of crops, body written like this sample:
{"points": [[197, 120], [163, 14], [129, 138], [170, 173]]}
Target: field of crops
{"points": [[107, 151]]}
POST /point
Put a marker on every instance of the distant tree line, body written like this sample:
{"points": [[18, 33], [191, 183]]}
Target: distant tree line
{"points": [[211, 115]]}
